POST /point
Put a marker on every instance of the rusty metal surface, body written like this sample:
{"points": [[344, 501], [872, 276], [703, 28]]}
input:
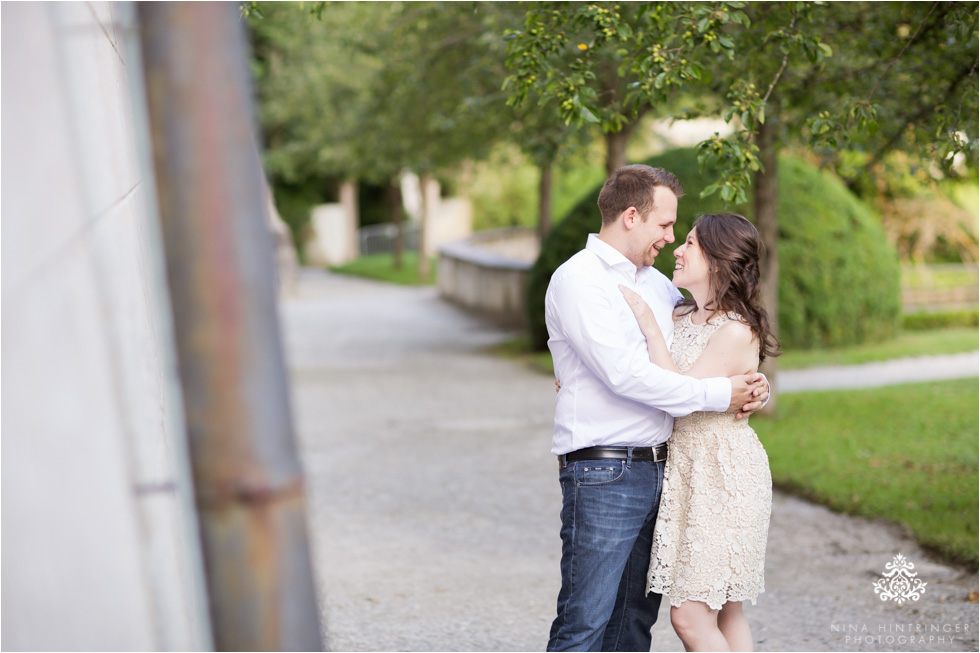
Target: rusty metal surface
{"points": [[247, 475]]}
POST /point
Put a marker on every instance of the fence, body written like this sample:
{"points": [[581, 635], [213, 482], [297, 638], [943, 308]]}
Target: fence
{"points": [[939, 287], [380, 238]]}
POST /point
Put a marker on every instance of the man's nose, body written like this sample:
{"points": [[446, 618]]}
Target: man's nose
{"points": [[669, 236]]}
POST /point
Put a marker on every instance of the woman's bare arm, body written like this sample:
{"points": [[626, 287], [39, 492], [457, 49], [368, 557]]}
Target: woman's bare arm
{"points": [[656, 345]]}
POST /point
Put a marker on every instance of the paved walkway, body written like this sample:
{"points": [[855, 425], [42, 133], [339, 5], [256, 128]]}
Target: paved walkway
{"points": [[902, 370], [434, 501]]}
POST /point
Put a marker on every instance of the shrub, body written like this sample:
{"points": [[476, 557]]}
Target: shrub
{"points": [[839, 279]]}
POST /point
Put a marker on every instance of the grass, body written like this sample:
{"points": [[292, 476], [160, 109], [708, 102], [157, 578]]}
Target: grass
{"points": [[519, 349], [381, 267], [910, 343], [938, 277], [905, 453]]}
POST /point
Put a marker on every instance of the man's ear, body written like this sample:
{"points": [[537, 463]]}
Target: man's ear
{"points": [[629, 217]]}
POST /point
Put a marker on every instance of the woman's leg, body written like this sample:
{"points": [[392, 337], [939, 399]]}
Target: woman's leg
{"points": [[735, 627], [697, 626]]}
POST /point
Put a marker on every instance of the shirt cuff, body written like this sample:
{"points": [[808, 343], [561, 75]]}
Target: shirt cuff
{"points": [[717, 394]]}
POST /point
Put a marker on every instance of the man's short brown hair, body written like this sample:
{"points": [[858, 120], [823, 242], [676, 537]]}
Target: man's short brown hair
{"points": [[633, 185]]}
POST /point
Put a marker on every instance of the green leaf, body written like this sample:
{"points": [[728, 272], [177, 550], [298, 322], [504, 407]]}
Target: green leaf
{"points": [[588, 115], [709, 191]]}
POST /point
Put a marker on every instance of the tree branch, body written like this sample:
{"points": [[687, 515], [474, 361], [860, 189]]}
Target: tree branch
{"points": [[892, 63], [779, 74], [922, 112]]}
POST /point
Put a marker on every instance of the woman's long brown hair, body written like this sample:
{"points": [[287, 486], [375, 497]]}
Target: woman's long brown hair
{"points": [[732, 247]]}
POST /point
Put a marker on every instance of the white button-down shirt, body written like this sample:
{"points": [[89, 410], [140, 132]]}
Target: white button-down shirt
{"points": [[611, 394]]}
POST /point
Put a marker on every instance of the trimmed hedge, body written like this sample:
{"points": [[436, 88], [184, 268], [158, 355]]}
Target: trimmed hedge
{"points": [[839, 278]]}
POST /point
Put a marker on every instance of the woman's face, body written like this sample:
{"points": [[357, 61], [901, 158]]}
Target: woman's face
{"points": [[691, 265]]}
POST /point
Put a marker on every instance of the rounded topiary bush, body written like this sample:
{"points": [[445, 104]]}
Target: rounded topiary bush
{"points": [[838, 277]]}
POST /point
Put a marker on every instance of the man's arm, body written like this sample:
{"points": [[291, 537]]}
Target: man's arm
{"points": [[598, 333]]}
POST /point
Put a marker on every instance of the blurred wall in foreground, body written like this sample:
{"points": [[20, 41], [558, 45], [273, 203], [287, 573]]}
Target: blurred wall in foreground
{"points": [[100, 549]]}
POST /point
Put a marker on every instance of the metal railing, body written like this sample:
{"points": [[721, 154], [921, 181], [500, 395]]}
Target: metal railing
{"points": [[380, 238]]}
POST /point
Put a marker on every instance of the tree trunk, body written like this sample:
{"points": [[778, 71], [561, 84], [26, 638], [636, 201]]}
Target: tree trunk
{"points": [[766, 221], [544, 201], [428, 206], [397, 213], [616, 149], [616, 143], [348, 200]]}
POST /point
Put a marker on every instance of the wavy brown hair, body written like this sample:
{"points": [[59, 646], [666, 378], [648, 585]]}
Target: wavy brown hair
{"points": [[732, 247]]}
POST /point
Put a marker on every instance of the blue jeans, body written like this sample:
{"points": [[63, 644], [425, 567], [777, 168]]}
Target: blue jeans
{"points": [[609, 508]]}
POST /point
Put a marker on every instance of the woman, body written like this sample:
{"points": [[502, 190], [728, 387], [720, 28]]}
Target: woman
{"points": [[710, 539]]}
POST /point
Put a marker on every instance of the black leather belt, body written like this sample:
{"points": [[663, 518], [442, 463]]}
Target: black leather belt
{"points": [[656, 454]]}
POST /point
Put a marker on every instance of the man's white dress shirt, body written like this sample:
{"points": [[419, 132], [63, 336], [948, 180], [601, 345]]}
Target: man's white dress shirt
{"points": [[611, 394]]}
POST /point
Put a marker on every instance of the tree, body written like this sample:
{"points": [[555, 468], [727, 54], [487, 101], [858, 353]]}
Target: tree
{"points": [[445, 70], [780, 72], [608, 64], [308, 100], [390, 88]]}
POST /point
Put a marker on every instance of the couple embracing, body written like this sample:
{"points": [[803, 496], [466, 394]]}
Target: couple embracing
{"points": [[665, 487]]}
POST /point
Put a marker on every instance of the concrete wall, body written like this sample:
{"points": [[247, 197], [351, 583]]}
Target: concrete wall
{"points": [[452, 220], [100, 545], [334, 240], [488, 272]]}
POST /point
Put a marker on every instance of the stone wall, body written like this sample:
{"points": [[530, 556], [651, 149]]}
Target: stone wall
{"points": [[487, 273]]}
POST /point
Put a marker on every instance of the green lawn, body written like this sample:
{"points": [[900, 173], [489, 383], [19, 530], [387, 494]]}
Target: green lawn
{"points": [[520, 349], [909, 343], [905, 453], [381, 267], [938, 277]]}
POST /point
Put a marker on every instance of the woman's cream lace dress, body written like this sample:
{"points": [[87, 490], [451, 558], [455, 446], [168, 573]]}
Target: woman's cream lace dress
{"points": [[710, 539]]}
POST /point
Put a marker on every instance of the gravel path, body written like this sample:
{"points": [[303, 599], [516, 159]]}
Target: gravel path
{"points": [[434, 500]]}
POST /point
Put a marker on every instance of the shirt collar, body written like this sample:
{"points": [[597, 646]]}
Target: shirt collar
{"points": [[615, 259]]}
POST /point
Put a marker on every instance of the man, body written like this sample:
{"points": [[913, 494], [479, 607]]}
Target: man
{"points": [[615, 413]]}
